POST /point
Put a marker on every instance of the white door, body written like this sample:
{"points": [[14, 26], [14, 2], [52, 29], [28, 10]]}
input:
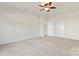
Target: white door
{"points": [[50, 28], [59, 28], [56, 28]]}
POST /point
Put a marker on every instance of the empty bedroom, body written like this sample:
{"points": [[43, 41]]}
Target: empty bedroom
{"points": [[39, 28]]}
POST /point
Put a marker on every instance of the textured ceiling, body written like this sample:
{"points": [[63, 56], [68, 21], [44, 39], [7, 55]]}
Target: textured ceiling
{"points": [[61, 7]]}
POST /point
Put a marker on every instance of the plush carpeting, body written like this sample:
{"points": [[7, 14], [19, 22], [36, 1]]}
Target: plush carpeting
{"points": [[41, 46]]}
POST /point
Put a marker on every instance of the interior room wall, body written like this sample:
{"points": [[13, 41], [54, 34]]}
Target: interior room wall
{"points": [[71, 25], [17, 25], [43, 25], [56, 27], [50, 28]]}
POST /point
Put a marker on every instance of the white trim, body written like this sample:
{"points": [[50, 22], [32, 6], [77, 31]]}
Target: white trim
{"points": [[19, 40]]}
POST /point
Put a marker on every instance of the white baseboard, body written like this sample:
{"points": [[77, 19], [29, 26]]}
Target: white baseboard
{"points": [[18, 40]]}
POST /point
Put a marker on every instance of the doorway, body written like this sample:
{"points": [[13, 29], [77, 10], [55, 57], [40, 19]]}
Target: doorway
{"points": [[55, 28]]}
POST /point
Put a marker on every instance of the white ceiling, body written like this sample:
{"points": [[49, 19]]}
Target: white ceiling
{"points": [[61, 7]]}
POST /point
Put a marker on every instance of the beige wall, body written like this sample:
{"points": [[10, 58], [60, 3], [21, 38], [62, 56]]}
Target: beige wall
{"points": [[17, 25], [56, 27], [43, 25], [71, 25]]}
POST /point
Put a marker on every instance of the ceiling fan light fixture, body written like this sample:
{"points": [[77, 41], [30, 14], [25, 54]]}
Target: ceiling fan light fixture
{"points": [[42, 4], [47, 6], [46, 9]]}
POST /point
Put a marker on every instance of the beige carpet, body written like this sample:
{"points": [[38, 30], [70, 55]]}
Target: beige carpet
{"points": [[41, 46]]}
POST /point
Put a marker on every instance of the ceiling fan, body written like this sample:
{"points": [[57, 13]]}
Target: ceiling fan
{"points": [[47, 6]]}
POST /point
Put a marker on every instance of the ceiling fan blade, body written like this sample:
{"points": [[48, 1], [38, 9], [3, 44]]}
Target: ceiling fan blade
{"points": [[41, 6], [48, 10], [41, 9], [50, 3], [45, 4], [52, 7]]}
